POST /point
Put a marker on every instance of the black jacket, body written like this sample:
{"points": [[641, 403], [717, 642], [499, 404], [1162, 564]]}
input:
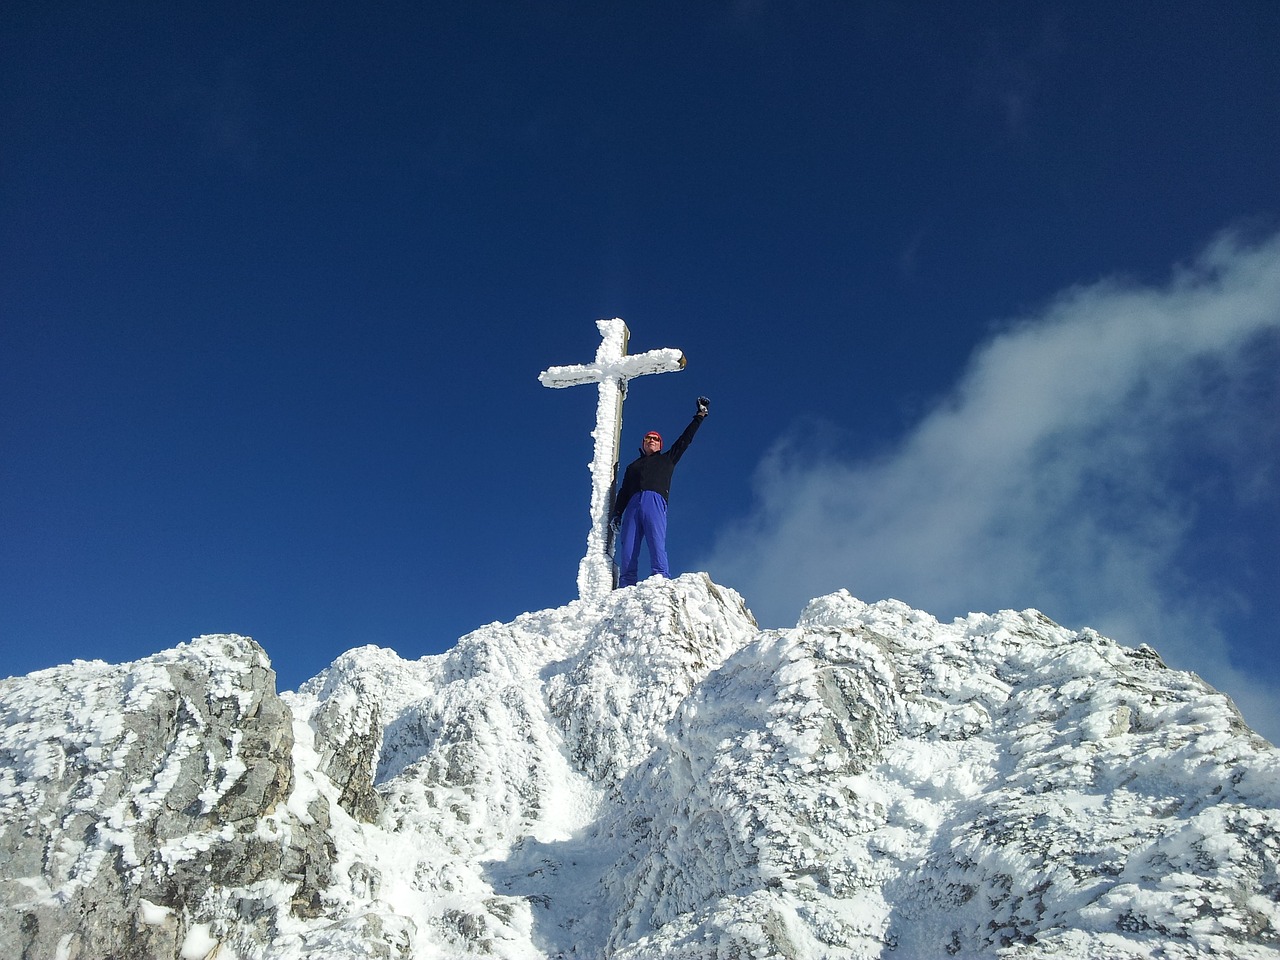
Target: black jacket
{"points": [[653, 472]]}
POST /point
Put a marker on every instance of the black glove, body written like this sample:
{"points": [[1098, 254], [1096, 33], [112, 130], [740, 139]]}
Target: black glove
{"points": [[703, 404]]}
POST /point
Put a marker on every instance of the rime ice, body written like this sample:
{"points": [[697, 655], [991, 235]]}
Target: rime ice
{"points": [[645, 776]]}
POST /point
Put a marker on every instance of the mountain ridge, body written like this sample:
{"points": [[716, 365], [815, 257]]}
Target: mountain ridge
{"points": [[651, 775]]}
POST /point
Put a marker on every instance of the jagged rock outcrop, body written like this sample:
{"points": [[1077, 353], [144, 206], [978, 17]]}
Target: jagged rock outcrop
{"points": [[348, 732], [874, 783], [647, 776], [143, 806]]}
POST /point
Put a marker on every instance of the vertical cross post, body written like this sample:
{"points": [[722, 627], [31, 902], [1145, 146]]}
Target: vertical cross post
{"points": [[612, 368]]}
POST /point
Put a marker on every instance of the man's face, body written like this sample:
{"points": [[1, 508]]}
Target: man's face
{"points": [[651, 445]]}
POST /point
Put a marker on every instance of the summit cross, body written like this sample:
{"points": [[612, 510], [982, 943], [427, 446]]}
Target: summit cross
{"points": [[610, 371]]}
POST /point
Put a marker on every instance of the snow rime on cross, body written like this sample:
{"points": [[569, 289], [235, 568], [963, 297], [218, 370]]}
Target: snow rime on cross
{"points": [[611, 371]]}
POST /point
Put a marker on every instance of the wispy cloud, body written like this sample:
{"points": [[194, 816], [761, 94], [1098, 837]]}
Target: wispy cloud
{"points": [[1063, 471]]}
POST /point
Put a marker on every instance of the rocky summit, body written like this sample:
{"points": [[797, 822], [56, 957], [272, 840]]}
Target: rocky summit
{"points": [[650, 775]]}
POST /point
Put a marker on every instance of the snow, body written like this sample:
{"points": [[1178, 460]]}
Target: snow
{"points": [[153, 914], [200, 943], [651, 775]]}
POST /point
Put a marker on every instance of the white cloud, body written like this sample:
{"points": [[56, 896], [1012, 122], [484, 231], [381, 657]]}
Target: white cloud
{"points": [[1064, 472]]}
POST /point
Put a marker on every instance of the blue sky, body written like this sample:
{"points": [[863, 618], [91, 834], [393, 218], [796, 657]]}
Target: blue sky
{"points": [[985, 297]]}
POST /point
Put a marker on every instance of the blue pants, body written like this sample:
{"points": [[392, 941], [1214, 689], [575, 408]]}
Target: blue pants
{"points": [[645, 518]]}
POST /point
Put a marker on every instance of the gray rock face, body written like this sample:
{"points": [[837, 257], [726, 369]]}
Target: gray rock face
{"points": [[144, 805], [348, 729]]}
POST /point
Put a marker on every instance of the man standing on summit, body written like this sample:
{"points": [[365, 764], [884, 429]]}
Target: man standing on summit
{"points": [[640, 509]]}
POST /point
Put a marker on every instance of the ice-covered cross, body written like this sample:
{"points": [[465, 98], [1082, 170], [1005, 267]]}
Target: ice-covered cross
{"points": [[611, 371]]}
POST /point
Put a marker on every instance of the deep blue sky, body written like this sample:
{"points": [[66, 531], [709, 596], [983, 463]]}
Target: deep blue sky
{"points": [[276, 282]]}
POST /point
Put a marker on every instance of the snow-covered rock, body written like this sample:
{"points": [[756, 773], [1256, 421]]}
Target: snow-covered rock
{"points": [[648, 775], [141, 805]]}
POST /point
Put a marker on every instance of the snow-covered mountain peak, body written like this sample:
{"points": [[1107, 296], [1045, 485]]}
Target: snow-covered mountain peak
{"points": [[648, 775]]}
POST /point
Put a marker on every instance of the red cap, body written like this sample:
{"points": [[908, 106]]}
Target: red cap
{"points": [[653, 433]]}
